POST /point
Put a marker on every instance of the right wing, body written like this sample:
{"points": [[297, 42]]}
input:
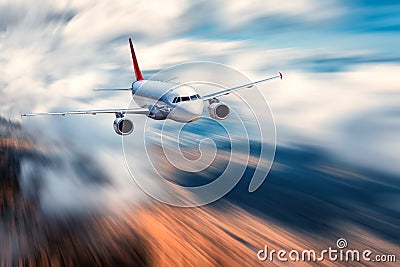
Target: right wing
{"points": [[230, 90], [144, 111]]}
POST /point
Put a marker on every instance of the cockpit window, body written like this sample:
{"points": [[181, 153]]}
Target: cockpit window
{"points": [[186, 98]]}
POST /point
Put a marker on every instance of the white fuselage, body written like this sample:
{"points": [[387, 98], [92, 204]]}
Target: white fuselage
{"points": [[182, 101]]}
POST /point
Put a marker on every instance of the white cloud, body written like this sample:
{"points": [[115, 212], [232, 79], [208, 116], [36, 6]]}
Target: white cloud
{"points": [[182, 50], [344, 112], [99, 21]]}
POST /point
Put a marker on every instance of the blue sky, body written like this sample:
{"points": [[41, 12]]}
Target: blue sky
{"points": [[370, 26]]}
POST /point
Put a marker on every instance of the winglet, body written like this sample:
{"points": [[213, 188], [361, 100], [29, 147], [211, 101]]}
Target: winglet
{"points": [[138, 73], [280, 74]]}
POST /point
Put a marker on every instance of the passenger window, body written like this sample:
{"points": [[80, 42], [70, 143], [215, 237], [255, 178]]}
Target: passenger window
{"points": [[185, 98]]}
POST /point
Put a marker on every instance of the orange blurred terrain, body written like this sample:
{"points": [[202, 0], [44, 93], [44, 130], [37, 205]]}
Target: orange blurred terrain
{"points": [[150, 234]]}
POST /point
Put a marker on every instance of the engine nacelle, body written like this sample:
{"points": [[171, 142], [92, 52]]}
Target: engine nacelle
{"points": [[218, 111], [123, 126]]}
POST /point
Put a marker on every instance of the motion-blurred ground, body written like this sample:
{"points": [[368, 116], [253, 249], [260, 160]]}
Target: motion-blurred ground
{"points": [[305, 204]]}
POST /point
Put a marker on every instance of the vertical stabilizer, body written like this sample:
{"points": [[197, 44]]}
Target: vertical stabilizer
{"points": [[138, 73]]}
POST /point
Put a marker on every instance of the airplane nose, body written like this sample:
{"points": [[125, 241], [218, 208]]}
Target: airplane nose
{"points": [[195, 109], [188, 112]]}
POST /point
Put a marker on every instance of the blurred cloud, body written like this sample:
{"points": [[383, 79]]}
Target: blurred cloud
{"points": [[353, 114], [306, 11], [372, 16]]}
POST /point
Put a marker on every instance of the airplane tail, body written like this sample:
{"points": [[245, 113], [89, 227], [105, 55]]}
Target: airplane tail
{"points": [[138, 73]]}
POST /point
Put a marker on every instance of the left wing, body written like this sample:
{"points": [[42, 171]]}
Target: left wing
{"points": [[230, 90], [144, 111], [112, 89]]}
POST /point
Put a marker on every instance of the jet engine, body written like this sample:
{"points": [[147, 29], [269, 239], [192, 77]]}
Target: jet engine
{"points": [[123, 126], [218, 110]]}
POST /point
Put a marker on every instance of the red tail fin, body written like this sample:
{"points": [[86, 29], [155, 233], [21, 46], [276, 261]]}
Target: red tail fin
{"points": [[138, 73]]}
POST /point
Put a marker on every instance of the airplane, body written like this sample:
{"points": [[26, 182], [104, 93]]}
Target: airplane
{"points": [[161, 100]]}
